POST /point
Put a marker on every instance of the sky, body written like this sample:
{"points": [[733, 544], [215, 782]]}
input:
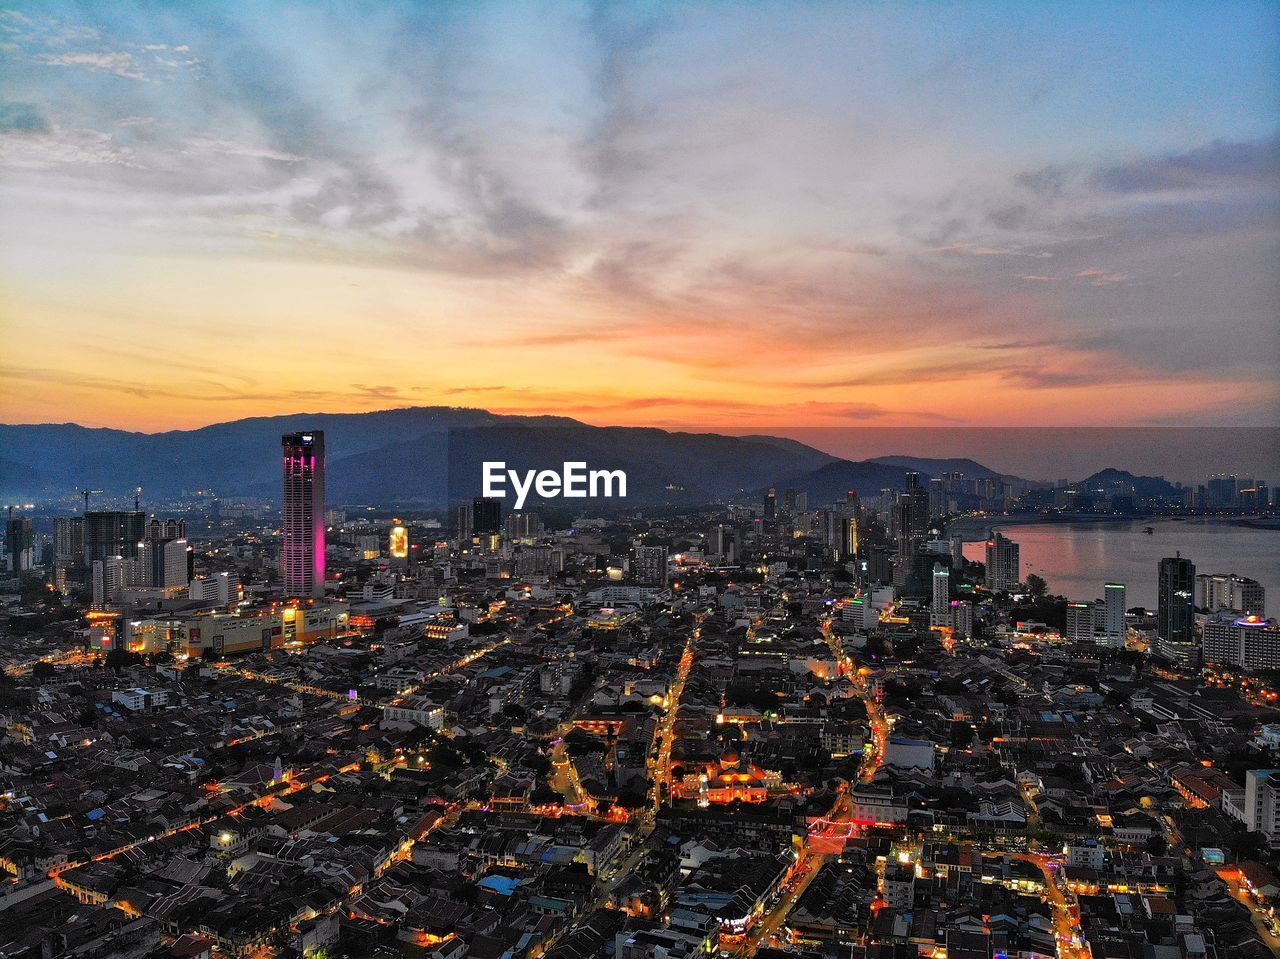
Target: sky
{"points": [[698, 214]]}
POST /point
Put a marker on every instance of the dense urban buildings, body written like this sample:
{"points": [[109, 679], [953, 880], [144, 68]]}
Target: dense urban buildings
{"points": [[778, 480], [737, 729]]}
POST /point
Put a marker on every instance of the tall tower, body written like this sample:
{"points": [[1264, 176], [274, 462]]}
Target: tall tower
{"points": [[912, 518], [1113, 595], [940, 611], [302, 552], [1175, 610], [21, 544]]}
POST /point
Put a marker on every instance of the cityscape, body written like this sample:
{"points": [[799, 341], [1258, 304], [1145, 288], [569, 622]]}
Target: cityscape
{"points": [[661, 479], [768, 726]]}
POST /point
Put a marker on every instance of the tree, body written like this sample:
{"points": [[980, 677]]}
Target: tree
{"points": [[543, 795], [118, 659], [1036, 585]]}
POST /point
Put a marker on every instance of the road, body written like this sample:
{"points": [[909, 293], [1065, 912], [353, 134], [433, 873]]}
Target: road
{"points": [[809, 863], [877, 722], [1066, 913], [306, 689], [658, 770], [1230, 875], [809, 860], [660, 765]]}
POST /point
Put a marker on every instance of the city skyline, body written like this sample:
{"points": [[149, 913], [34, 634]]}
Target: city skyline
{"points": [[755, 216], [582, 480]]}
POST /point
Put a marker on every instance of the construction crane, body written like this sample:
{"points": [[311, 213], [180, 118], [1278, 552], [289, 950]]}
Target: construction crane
{"points": [[137, 499], [85, 493]]}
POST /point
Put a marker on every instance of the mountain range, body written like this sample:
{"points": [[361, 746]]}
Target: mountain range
{"points": [[431, 455]]}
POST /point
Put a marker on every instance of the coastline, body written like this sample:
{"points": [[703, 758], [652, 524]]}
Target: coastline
{"points": [[976, 527]]}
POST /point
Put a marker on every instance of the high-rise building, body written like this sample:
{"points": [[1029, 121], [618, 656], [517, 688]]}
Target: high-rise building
{"points": [[962, 619], [221, 588], [719, 542], [771, 504], [1004, 563], [1114, 629], [107, 578], [163, 557], [486, 517], [1246, 642], [1221, 491], [940, 611], [302, 559], [113, 533], [1175, 611], [649, 565], [68, 540], [20, 544], [1216, 591], [1262, 801], [466, 524], [523, 527], [162, 563], [911, 516], [937, 498], [1079, 623], [848, 538]]}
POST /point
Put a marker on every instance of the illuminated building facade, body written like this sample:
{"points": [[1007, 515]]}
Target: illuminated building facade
{"points": [[399, 542], [302, 561], [226, 633]]}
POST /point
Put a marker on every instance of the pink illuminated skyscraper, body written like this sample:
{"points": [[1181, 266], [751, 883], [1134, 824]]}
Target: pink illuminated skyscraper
{"points": [[302, 553]]}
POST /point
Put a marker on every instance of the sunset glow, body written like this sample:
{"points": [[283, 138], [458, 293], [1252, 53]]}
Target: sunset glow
{"points": [[716, 217]]}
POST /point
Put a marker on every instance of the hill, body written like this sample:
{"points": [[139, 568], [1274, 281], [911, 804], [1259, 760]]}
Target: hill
{"points": [[1144, 487], [413, 455]]}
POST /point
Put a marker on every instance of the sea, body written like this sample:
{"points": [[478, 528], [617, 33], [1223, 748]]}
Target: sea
{"points": [[1076, 558]]}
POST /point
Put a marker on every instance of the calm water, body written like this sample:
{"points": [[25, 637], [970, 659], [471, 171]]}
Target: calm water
{"points": [[1077, 558]]}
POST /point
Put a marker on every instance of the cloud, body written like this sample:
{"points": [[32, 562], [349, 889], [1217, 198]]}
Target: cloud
{"points": [[1216, 164], [233, 148], [119, 63], [802, 206]]}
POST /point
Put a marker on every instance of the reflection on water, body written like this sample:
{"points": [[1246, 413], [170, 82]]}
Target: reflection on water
{"points": [[1077, 558]]}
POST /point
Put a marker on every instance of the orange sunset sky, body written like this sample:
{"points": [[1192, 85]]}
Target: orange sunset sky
{"points": [[673, 215]]}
